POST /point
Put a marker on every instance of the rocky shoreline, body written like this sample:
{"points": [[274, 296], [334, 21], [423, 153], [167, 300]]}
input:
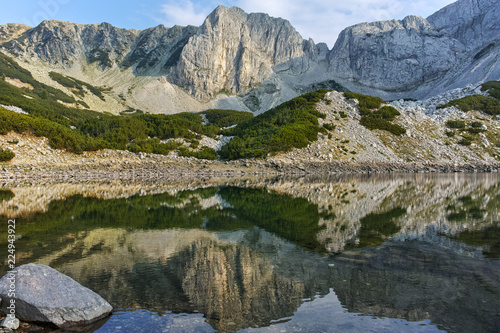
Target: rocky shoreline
{"points": [[206, 170]]}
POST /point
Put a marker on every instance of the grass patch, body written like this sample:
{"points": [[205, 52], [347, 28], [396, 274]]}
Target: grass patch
{"points": [[449, 134]]}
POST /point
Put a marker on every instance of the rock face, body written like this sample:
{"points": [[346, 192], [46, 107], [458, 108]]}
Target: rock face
{"points": [[456, 46], [12, 30], [159, 48], [234, 52], [264, 60], [393, 55], [63, 43], [44, 295]]}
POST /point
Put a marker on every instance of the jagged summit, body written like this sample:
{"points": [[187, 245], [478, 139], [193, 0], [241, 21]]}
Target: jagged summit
{"points": [[255, 61]]}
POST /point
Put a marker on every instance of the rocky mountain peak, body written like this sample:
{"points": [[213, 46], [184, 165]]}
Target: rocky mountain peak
{"points": [[395, 55], [10, 31], [64, 43], [473, 22], [235, 52]]}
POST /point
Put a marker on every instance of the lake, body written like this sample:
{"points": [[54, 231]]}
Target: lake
{"points": [[380, 253]]}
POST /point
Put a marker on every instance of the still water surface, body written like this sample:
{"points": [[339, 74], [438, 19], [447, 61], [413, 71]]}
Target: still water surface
{"points": [[373, 254]]}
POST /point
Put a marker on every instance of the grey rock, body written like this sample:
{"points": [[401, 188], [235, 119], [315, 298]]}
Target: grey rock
{"points": [[64, 43], [418, 57], [158, 49], [393, 55], [234, 51], [44, 295], [10, 323]]}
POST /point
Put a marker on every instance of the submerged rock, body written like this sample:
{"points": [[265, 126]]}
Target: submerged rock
{"points": [[45, 295]]}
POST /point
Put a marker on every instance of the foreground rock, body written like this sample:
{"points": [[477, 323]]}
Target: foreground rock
{"points": [[10, 323], [44, 295]]}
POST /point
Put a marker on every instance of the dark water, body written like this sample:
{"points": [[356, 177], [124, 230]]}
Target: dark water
{"points": [[371, 254]]}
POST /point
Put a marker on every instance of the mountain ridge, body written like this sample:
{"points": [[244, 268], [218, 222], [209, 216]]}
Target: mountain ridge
{"points": [[253, 61]]}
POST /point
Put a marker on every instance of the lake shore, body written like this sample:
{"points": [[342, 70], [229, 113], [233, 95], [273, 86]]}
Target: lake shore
{"points": [[189, 168]]}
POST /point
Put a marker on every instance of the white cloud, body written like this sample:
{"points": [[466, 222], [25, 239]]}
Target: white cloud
{"points": [[319, 19], [183, 13]]}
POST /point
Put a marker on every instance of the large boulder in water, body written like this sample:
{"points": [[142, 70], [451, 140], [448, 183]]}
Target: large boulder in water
{"points": [[44, 295]]}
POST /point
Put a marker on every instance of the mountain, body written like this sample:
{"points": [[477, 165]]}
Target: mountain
{"points": [[417, 57], [253, 61]]}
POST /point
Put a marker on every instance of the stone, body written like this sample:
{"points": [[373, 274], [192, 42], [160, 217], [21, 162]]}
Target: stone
{"points": [[234, 52], [45, 295], [10, 323]]}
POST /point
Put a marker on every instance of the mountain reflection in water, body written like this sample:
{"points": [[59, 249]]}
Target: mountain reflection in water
{"points": [[420, 249]]}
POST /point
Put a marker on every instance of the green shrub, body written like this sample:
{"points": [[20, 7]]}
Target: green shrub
{"points": [[364, 111], [372, 123], [291, 124], [6, 155], [365, 101], [458, 124], [488, 105], [43, 100], [474, 130], [387, 113], [76, 86], [342, 114], [6, 194], [329, 126], [153, 146], [381, 119], [493, 88], [194, 144], [226, 118], [466, 140]]}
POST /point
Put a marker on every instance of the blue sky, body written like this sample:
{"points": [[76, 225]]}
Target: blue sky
{"points": [[319, 19]]}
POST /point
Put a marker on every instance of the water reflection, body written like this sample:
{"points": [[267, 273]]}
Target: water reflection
{"points": [[417, 249]]}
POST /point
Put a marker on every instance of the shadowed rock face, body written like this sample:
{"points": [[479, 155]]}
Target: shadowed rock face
{"points": [[393, 55], [158, 49], [455, 46]]}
